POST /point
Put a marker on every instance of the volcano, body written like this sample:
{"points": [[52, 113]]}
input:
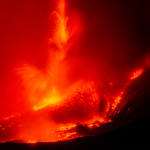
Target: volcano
{"points": [[71, 69]]}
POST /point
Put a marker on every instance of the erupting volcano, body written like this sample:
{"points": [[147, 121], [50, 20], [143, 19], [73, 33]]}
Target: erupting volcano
{"points": [[82, 85]]}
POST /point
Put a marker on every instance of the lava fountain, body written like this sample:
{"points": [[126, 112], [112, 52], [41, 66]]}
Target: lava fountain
{"points": [[61, 98]]}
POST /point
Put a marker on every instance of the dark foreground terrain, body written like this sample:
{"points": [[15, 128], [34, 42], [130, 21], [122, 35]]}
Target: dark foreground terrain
{"points": [[132, 136]]}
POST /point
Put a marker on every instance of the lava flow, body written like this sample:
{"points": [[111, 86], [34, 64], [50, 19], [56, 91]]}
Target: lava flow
{"points": [[58, 103]]}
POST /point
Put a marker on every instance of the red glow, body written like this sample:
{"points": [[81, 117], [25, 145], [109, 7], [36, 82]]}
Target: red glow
{"points": [[57, 101]]}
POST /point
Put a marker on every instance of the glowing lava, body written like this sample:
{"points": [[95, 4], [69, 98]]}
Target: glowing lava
{"points": [[137, 73], [56, 109]]}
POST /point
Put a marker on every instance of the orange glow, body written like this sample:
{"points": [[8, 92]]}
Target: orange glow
{"points": [[136, 74], [54, 98], [57, 106], [116, 101], [90, 125], [32, 142], [60, 21]]}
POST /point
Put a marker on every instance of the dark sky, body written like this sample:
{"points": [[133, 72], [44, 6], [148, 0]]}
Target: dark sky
{"points": [[114, 42]]}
